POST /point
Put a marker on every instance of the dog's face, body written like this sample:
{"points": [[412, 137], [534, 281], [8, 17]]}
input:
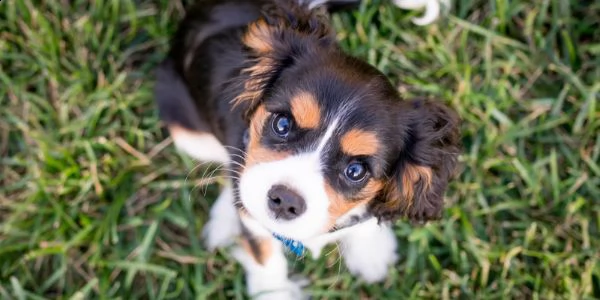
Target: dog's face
{"points": [[329, 136]]}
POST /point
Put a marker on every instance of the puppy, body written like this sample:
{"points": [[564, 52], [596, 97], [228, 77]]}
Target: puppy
{"points": [[318, 144]]}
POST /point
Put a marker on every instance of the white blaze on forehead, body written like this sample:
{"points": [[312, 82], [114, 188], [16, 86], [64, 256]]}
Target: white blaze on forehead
{"points": [[302, 173], [327, 136]]}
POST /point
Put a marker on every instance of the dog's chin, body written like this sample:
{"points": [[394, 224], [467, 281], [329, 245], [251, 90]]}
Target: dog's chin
{"points": [[297, 230], [302, 237]]}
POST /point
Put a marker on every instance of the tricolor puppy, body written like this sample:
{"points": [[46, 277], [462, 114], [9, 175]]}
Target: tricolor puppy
{"points": [[319, 145]]}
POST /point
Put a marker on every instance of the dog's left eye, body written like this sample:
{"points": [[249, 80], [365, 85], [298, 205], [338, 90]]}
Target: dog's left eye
{"points": [[356, 171], [282, 124]]}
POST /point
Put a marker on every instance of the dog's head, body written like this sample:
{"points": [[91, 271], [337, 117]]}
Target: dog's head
{"points": [[329, 135]]}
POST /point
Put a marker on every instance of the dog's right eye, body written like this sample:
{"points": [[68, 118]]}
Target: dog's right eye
{"points": [[356, 171], [282, 124]]}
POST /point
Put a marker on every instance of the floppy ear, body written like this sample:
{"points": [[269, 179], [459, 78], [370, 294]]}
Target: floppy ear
{"points": [[426, 161], [286, 32]]}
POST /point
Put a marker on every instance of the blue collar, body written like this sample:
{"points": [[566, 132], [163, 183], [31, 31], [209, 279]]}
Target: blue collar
{"points": [[298, 248], [295, 246]]}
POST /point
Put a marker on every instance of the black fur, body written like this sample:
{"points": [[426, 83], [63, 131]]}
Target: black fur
{"points": [[209, 70]]}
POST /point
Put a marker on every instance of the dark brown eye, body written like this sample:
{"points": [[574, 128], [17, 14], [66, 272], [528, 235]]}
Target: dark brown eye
{"points": [[282, 124], [356, 171]]}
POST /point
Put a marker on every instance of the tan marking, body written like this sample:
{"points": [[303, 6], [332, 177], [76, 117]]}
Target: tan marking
{"points": [[392, 197], [254, 87], [243, 212], [339, 205], [265, 249], [359, 142], [256, 153], [259, 37], [257, 123], [306, 110], [262, 155], [411, 175], [371, 189]]}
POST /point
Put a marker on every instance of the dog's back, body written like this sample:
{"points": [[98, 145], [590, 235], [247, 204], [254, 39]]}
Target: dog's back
{"points": [[205, 51]]}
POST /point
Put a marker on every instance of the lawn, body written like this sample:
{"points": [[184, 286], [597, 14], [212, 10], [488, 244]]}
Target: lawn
{"points": [[96, 203]]}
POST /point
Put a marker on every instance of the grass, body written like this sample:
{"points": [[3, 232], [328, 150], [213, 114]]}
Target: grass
{"points": [[95, 202]]}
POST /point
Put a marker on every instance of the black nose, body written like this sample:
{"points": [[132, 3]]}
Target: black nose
{"points": [[285, 203]]}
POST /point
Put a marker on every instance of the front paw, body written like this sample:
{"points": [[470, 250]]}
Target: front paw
{"points": [[269, 281], [370, 254], [223, 226], [374, 269], [219, 233], [259, 289]]}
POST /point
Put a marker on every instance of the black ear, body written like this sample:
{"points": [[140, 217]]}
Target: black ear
{"points": [[286, 32], [426, 162]]}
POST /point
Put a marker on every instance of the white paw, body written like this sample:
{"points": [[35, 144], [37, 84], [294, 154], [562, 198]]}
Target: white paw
{"points": [[370, 252], [217, 234], [269, 281], [224, 225], [283, 291]]}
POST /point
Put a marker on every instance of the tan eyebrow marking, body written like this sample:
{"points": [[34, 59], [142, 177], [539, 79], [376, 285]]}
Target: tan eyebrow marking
{"points": [[306, 110], [257, 153], [359, 142]]}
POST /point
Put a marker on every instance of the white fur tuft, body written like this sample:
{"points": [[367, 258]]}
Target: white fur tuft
{"points": [[370, 251], [432, 9], [223, 225], [201, 146], [270, 280]]}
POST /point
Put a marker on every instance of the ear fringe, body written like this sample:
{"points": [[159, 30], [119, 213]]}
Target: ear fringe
{"points": [[411, 176], [258, 78], [286, 30], [426, 163]]}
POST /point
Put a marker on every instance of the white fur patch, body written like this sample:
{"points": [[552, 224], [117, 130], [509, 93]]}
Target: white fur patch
{"points": [[312, 4], [270, 280], [302, 173], [201, 146], [369, 251], [255, 227], [315, 245], [432, 9], [223, 225]]}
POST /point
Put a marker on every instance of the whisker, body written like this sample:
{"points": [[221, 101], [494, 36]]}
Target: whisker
{"points": [[238, 164], [193, 170], [238, 173], [331, 252], [219, 166], [337, 261], [211, 176], [237, 156], [236, 149]]}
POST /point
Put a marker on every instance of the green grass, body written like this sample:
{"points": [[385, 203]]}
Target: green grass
{"points": [[94, 201]]}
